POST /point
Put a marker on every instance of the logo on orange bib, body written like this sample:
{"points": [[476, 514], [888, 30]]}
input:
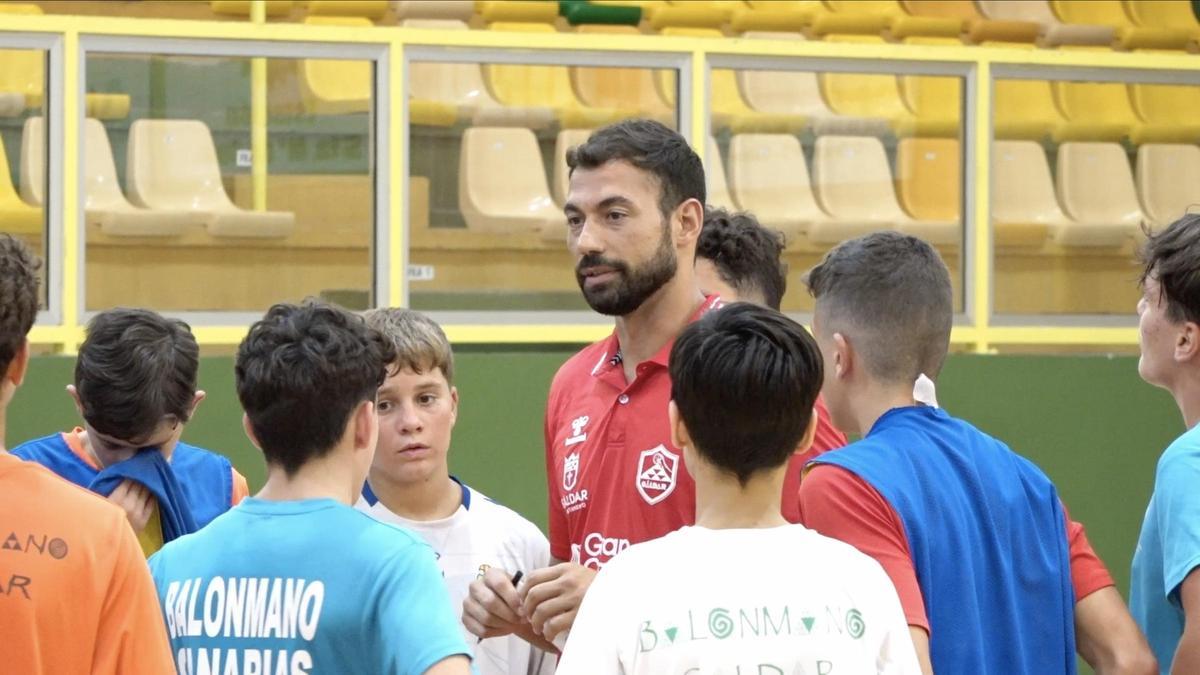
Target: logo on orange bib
{"points": [[657, 470]]}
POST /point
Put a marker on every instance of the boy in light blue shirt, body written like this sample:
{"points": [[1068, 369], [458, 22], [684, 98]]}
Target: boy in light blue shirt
{"points": [[294, 580], [1165, 593]]}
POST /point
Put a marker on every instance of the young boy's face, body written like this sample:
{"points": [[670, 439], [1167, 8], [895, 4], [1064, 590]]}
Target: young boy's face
{"points": [[416, 415], [110, 450]]}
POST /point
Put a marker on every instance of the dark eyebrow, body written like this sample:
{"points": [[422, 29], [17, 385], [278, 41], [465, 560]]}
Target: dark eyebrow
{"points": [[607, 202]]}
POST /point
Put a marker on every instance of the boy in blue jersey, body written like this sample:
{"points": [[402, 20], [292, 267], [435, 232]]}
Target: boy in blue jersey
{"points": [[135, 389], [295, 579], [973, 536], [1165, 592]]}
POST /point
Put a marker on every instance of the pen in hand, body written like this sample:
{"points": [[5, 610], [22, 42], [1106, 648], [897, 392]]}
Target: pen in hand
{"points": [[516, 579]]}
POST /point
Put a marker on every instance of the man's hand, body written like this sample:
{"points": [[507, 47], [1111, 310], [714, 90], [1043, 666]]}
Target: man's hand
{"points": [[137, 502], [552, 596], [492, 607]]}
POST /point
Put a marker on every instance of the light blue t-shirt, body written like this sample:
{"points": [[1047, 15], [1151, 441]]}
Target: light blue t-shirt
{"points": [[304, 587], [1169, 547]]}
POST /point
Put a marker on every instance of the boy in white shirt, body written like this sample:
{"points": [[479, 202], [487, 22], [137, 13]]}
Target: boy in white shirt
{"points": [[410, 484], [742, 591]]}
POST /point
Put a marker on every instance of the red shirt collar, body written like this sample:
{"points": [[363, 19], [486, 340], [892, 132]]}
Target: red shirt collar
{"points": [[612, 353]]}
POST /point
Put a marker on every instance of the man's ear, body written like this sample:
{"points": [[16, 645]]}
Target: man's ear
{"points": [[809, 434], [680, 437], [249, 429], [19, 365], [843, 356], [690, 215], [74, 394], [1187, 343]]}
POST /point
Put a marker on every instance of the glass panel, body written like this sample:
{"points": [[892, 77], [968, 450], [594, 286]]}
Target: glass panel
{"points": [[1067, 203], [823, 157], [488, 176], [22, 151], [175, 221]]}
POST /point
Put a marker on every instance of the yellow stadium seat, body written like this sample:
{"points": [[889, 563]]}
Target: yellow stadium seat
{"points": [[502, 183], [433, 9], [929, 178], [1166, 113], [17, 216], [621, 88], [567, 139], [171, 165], [1052, 32], [798, 94], [1168, 181], [1094, 111], [769, 178], [695, 14], [855, 187], [367, 9], [728, 108], [532, 86], [1095, 186], [781, 16], [1024, 208], [242, 7], [976, 27], [716, 187], [873, 17], [1165, 14], [517, 11], [104, 204], [1112, 13], [1025, 109], [863, 95], [461, 86], [22, 81], [935, 101]]}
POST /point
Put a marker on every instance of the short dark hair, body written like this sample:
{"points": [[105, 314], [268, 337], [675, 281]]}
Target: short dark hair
{"points": [[300, 373], [747, 255], [135, 369], [745, 379], [893, 292], [1172, 258], [18, 297], [650, 146]]}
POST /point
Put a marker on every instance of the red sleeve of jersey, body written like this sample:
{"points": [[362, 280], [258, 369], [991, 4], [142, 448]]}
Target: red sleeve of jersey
{"points": [[826, 438], [1088, 573], [837, 503], [560, 545]]}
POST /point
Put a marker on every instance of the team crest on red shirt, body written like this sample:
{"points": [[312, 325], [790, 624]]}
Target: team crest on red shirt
{"points": [[570, 471], [658, 468]]}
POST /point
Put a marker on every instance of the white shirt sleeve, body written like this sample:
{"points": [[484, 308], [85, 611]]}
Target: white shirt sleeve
{"points": [[592, 643], [896, 654]]}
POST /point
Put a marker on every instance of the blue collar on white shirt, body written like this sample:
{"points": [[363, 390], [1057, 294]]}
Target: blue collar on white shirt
{"points": [[369, 494]]}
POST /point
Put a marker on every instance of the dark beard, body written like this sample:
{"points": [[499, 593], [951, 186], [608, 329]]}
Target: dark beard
{"points": [[631, 287]]}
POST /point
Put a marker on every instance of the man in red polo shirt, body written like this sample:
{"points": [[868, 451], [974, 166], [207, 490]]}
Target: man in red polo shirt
{"points": [[634, 213]]}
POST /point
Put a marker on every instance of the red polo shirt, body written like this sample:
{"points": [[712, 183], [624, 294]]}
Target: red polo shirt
{"points": [[614, 477]]}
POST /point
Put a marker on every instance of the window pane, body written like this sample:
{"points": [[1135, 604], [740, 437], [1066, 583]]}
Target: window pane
{"points": [[488, 176], [174, 220], [23, 152]]}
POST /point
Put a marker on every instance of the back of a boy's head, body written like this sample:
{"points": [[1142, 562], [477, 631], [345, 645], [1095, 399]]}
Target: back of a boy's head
{"points": [[18, 297], [890, 295], [745, 379], [420, 343], [747, 255], [300, 373], [1172, 257], [136, 369]]}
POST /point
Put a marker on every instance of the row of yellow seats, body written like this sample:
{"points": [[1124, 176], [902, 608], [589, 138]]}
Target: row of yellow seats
{"points": [[172, 175]]}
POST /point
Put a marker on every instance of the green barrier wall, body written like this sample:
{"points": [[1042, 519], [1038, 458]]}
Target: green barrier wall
{"points": [[1090, 422]]}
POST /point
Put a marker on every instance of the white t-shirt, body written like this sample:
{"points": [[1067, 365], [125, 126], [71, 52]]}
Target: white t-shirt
{"points": [[741, 602], [479, 535]]}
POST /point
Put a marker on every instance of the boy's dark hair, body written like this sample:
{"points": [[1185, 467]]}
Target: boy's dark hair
{"points": [[891, 292], [18, 296], [650, 146], [745, 379], [747, 255], [1172, 258], [301, 372], [136, 369]]}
